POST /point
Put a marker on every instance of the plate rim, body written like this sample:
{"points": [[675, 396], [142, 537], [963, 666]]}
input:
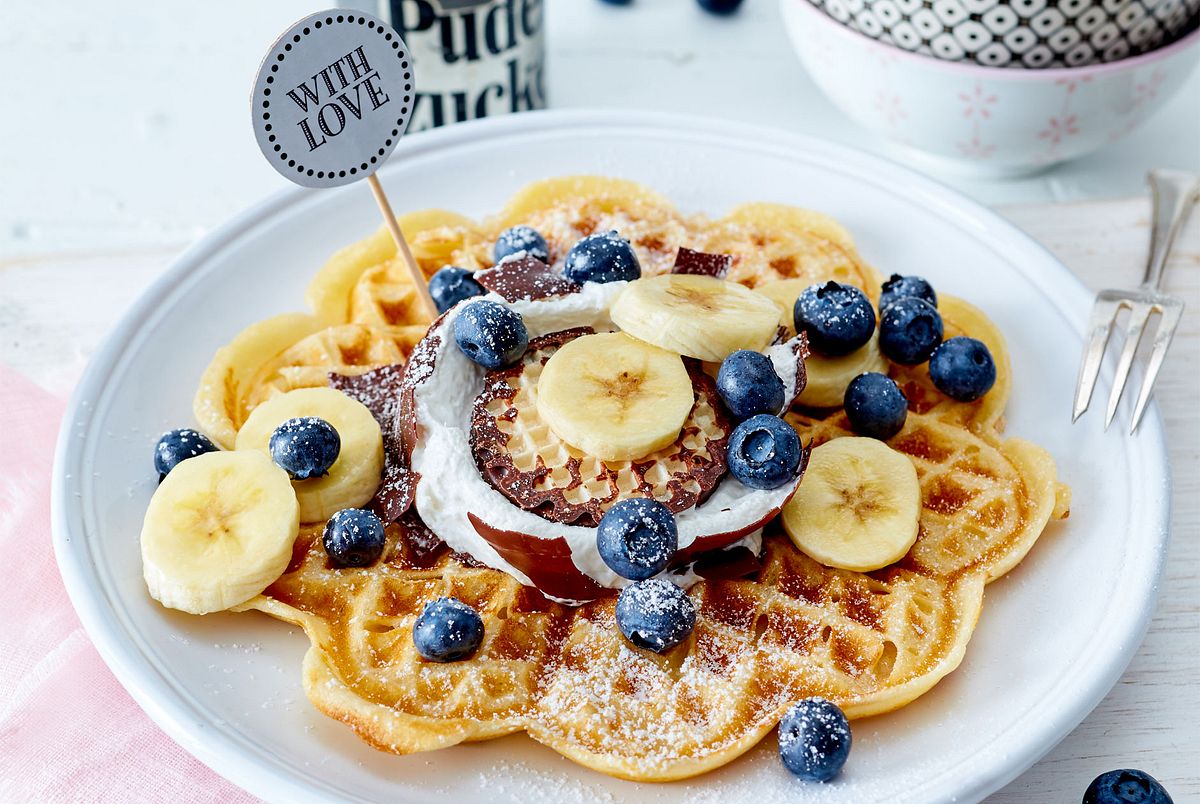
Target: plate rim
{"points": [[176, 716]]}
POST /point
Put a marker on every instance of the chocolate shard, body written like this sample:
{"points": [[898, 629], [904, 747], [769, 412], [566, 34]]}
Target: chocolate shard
{"points": [[701, 263], [397, 490], [525, 279], [417, 547], [378, 390]]}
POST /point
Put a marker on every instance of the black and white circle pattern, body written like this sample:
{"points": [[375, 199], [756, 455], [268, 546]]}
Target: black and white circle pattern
{"points": [[1020, 33]]}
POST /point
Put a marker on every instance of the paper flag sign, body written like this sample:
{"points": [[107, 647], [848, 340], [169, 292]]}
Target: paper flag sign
{"points": [[332, 98]]}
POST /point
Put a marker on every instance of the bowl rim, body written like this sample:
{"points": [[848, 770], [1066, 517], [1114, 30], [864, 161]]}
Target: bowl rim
{"points": [[979, 70]]}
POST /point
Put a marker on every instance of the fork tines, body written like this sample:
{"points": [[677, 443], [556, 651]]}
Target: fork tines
{"points": [[1141, 306]]}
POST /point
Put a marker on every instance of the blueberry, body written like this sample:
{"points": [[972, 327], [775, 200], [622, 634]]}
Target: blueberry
{"points": [[451, 285], [963, 369], [764, 452], [655, 614], [353, 537], [837, 318], [492, 335], [176, 446], [1126, 786], [603, 257], [305, 447], [521, 238], [447, 630], [903, 287], [721, 7], [875, 405], [637, 538], [749, 385], [814, 740], [909, 330]]}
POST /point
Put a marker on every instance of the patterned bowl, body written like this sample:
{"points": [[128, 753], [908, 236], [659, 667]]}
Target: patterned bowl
{"points": [[980, 120], [1020, 33]]}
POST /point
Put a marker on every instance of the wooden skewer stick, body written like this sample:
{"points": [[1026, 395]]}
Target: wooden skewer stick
{"points": [[410, 262]]}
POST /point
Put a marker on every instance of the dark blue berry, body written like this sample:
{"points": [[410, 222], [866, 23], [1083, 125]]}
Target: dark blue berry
{"points": [[492, 335], [875, 405], [814, 740], [521, 238], [655, 614], [909, 330], [176, 446], [451, 285], [305, 447], [1126, 786], [903, 287], [353, 537], [603, 257], [838, 318], [764, 452], [637, 538], [963, 369], [749, 385], [617, 2], [447, 630], [721, 7]]}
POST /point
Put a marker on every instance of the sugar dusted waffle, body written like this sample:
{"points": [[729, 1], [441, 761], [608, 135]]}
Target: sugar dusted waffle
{"points": [[772, 625]]}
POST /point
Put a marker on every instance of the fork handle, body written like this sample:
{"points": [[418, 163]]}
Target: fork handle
{"points": [[1173, 193]]}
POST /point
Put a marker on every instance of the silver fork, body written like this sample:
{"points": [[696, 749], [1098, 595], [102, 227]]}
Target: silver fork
{"points": [[1173, 193]]}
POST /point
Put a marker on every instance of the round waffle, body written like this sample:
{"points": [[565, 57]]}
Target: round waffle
{"points": [[525, 461], [871, 642]]}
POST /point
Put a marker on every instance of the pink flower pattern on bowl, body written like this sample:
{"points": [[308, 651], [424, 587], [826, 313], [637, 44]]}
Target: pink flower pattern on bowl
{"points": [[989, 121]]}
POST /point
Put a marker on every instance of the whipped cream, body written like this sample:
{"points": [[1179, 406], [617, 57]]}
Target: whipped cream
{"points": [[451, 485]]}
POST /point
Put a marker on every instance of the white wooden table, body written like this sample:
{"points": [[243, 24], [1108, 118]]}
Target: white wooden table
{"points": [[122, 204]]}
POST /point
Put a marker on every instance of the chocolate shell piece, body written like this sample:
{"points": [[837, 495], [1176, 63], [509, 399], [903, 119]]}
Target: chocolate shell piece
{"points": [[525, 279], [701, 263]]}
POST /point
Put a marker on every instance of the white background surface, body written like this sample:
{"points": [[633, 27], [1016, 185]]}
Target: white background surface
{"points": [[126, 123], [159, 149]]}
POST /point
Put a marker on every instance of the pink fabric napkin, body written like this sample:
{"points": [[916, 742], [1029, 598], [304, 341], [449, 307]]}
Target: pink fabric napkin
{"points": [[68, 730]]}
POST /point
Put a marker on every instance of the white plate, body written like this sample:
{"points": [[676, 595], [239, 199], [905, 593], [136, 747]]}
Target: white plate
{"points": [[1054, 636]]}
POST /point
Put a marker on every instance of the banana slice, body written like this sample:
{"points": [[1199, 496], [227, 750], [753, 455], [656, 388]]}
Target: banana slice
{"points": [[218, 531], [614, 397], [696, 316], [354, 476], [829, 376], [858, 507]]}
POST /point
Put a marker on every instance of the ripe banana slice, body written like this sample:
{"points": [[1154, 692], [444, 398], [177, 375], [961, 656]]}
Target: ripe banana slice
{"points": [[696, 316], [218, 531], [829, 376], [858, 507], [614, 397], [354, 476]]}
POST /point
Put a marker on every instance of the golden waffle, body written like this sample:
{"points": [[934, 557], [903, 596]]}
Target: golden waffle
{"points": [[363, 283], [871, 642], [523, 459]]}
